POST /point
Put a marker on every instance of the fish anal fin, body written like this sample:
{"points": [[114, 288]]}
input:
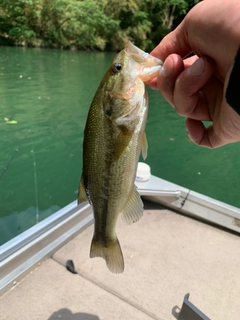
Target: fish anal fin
{"points": [[111, 252], [82, 195], [133, 211], [144, 145]]}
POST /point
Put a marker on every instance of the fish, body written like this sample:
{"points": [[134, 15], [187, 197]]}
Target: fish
{"points": [[114, 137]]}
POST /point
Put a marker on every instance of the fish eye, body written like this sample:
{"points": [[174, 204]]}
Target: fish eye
{"points": [[116, 67]]}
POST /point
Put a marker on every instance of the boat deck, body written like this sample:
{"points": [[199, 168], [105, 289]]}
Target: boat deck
{"points": [[166, 256]]}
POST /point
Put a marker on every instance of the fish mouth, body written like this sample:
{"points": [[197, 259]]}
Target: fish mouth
{"points": [[150, 65], [141, 56]]}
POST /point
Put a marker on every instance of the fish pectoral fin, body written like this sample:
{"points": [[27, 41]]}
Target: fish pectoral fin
{"points": [[111, 252], [133, 211], [144, 145], [122, 142], [82, 195]]}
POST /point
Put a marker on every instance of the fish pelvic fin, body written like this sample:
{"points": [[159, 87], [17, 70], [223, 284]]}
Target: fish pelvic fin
{"points": [[82, 195], [133, 211], [111, 252]]}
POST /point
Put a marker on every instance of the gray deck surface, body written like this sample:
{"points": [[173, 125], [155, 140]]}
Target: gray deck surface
{"points": [[166, 256]]}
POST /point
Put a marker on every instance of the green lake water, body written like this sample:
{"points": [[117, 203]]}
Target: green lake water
{"points": [[48, 93]]}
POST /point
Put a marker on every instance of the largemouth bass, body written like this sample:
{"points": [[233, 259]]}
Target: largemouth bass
{"points": [[113, 138]]}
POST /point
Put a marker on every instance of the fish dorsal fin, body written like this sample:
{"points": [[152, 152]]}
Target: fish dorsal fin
{"points": [[133, 210], [82, 195], [144, 145]]}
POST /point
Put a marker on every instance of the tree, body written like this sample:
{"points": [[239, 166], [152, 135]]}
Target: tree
{"points": [[89, 24]]}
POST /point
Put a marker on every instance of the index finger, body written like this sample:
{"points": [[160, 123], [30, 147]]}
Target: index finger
{"points": [[175, 42]]}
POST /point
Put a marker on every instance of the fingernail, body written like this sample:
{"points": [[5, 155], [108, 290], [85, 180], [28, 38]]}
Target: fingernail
{"points": [[197, 68], [167, 68], [165, 72]]}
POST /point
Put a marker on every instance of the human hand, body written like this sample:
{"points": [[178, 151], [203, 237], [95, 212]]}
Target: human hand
{"points": [[196, 86]]}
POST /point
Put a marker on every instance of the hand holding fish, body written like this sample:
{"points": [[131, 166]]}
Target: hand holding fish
{"points": [[196, 86]]}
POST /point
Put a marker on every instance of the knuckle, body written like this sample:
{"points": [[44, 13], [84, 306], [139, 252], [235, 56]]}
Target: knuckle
{"points": [[181, 110]]}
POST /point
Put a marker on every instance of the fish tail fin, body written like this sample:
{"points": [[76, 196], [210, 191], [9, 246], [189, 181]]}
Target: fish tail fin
{"points": [[111, 252]]}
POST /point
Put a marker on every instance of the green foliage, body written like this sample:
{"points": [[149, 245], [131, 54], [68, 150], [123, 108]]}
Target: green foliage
{"points": [[89, 24]]}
